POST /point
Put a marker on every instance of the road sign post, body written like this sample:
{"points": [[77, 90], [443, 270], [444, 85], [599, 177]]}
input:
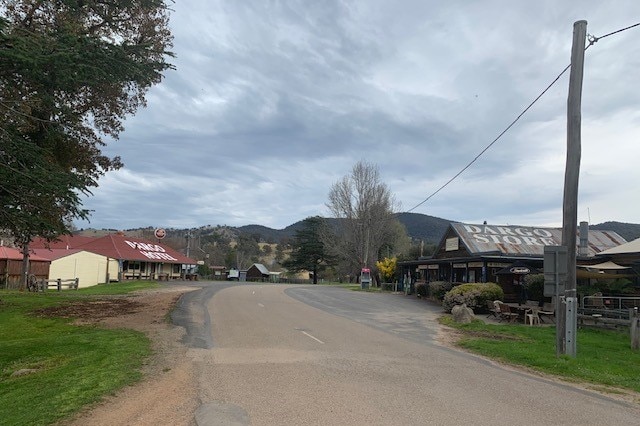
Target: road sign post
{"points": [[555, 278]]}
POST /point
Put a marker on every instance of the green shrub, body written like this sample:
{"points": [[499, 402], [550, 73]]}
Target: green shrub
{"points": [[422, 290], [437, 289], [387, 286], [475, 295], [534, 284]]}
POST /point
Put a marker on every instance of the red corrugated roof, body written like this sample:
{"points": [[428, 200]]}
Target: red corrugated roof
{"points": [[132, 248], [63, 242], [54, 254], [8, 253]]}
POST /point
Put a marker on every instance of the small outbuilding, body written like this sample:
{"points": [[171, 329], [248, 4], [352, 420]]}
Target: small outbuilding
{"points": [[90, 268], [11, 267], [258, 272]]}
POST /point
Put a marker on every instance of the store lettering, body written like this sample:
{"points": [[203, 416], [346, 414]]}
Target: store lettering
{"points": [[516, 236], [151, 251], [157, 255]]}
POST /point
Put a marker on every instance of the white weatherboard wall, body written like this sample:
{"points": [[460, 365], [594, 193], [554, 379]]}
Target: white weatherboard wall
{"points": [[90, 268]]}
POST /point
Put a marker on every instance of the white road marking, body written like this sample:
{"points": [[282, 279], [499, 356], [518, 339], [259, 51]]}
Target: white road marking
{"points": [[261, 305], [314, 338]]}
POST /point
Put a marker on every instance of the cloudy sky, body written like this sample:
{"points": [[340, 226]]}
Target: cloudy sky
{"points": [[272, 102]]}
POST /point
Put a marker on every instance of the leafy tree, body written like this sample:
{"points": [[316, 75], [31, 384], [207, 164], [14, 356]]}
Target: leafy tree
{"points": [[247, 250], [70, 71], [309, 251], [387, 268], [279, 253], [204, 271]]}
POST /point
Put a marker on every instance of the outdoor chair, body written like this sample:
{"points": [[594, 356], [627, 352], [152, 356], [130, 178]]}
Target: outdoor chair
{"points": [[494, 309], [548, 310], [532, 317], [506, 314]]}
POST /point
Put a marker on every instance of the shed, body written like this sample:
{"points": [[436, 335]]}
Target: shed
{"points": [[258, 272], [11, 267], [90, 268]]}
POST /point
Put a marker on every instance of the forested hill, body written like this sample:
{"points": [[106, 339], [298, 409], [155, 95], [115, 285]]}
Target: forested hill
{"points": [[430, 229], [423, 227], [427, 228], [628, 231], [419, 227]]}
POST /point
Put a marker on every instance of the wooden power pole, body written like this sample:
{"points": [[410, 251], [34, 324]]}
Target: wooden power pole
{"points": [[568, 316]]}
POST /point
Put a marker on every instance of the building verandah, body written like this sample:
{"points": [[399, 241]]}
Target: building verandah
{"points": [[469, 253]]}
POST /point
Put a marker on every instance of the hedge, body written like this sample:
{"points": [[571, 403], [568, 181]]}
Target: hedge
{"points": [[474, 295]]}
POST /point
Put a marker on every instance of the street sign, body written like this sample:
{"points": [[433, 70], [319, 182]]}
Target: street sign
{"points": [[555, 270]]}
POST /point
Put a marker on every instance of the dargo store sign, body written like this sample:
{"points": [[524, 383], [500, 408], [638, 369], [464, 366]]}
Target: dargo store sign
{"points": [[510, 235]]}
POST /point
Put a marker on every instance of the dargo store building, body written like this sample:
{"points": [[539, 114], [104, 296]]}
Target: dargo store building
{"points": [[470, 253]]}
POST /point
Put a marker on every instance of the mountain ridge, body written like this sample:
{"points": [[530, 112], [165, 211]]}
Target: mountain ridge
{"points": [[420, 227]]}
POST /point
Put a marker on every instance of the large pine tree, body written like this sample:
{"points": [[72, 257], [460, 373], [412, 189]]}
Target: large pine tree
{"points": [[309, 252]]}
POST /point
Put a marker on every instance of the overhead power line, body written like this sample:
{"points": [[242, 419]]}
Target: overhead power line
{"points": [[592, 40]]}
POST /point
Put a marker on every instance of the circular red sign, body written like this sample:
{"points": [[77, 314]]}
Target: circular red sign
{"points": [[160, 233]]}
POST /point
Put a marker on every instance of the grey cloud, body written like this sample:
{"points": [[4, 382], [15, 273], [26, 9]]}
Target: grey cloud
{"points": [[273, 102]]}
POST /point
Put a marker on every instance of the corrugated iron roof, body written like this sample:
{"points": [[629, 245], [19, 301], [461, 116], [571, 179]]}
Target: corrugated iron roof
{"points": [[62, 242], [129, 248], [263, 269], [525, 240], [9, 253], [55, 254]]}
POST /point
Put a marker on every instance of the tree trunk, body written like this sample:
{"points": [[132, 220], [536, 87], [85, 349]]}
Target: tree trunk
{"points": [[25, 267]]}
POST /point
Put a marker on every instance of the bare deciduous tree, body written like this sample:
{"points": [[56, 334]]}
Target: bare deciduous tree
{"points": [[365, 207]]}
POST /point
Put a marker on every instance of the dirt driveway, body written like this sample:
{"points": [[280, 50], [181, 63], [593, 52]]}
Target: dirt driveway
{"points": [[167, 395]]}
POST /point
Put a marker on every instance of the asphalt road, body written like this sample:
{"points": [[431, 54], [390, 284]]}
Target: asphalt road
{"points": [[316, 355]]}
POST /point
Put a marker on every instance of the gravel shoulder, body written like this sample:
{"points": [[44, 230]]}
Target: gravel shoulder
{"points": [[167, 393]]}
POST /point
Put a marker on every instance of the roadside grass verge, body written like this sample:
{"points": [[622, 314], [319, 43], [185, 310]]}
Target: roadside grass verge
{"points": [[604, 357], [352, 286], [49, 368], [118, 288]]}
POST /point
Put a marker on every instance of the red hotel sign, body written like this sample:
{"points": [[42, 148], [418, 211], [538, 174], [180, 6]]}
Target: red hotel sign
{"points": [[151, 251]]}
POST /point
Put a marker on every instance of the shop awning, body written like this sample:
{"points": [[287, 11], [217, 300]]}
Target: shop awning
{"points": [[604, 266]]}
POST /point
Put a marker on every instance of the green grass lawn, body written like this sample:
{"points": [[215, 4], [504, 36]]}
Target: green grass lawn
{"points": [[351, 286], [118, 288], [604, 357], [71, 366]]}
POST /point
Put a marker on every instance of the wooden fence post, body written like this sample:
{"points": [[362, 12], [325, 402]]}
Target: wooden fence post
{"points": [[59, 284], [77, 282], [635, 330]]}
